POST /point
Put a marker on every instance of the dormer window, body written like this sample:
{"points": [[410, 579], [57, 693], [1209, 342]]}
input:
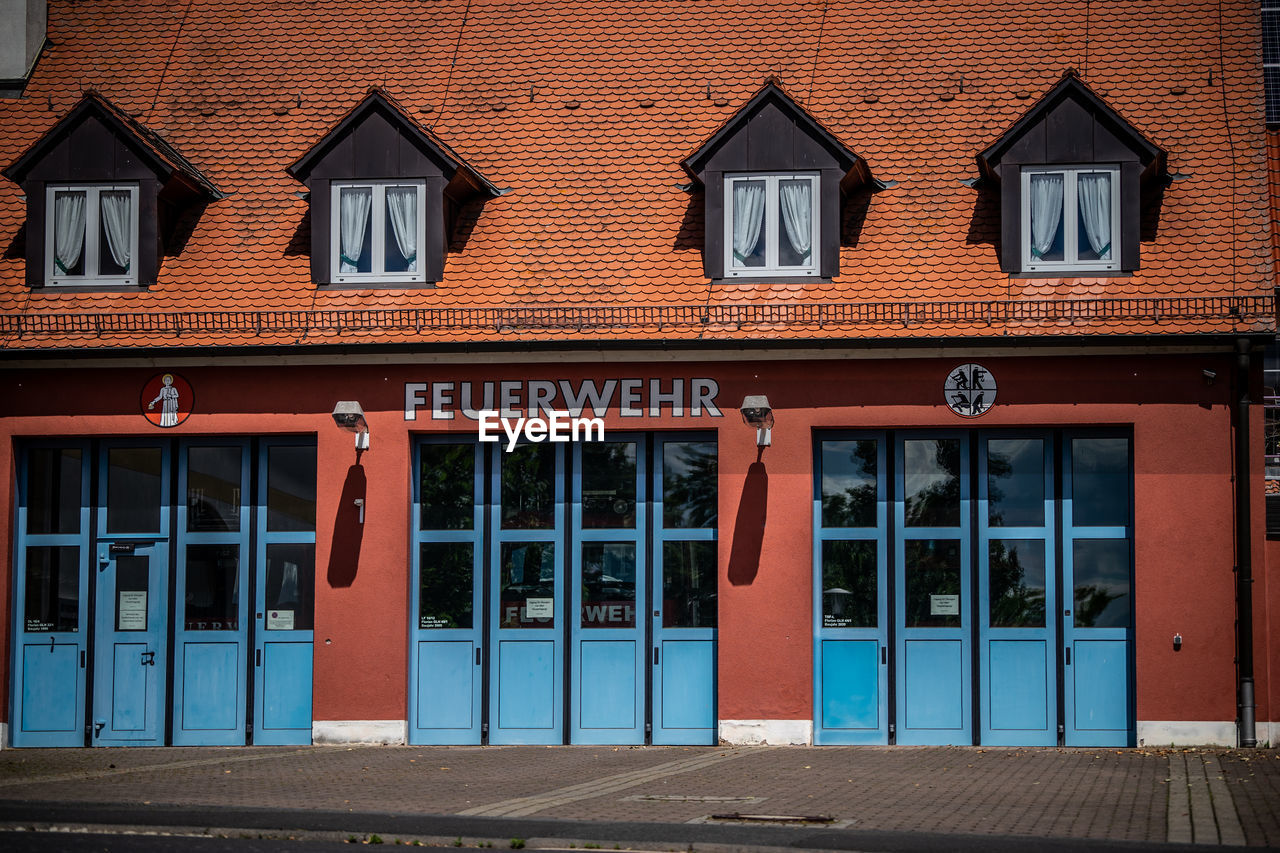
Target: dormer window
{"points": [[94, 235], [770, 224], [774, 184], [378, 231], [1070, 218], [1072, 178], [385, 195]]}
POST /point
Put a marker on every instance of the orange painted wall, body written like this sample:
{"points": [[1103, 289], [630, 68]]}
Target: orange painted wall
{"points": [[1184, 527]]}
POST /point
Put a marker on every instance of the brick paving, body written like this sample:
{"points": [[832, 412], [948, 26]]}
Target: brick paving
{"points": [[1116, 795]]}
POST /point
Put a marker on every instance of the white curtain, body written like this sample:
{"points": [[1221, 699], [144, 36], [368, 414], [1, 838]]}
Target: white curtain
{"points": [[402, 204], [748, 216], [1046, 212], [117, 221], [68, 229], [797, 215], [355, 219], [1095, 209]]}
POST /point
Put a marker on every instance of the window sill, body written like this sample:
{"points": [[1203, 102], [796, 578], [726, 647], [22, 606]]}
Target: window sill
{"points": [[89, 287], [774, 279], [1072, 273], [375, 284]]}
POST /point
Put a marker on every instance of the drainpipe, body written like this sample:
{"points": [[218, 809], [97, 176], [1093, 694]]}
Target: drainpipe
{"points": [[1244, 550]]}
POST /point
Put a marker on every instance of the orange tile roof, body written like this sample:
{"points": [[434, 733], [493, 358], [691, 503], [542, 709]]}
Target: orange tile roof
{"points": [[585, 110]]}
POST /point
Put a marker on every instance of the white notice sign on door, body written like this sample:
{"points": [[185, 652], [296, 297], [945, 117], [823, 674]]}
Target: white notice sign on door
{"points": [[944, 605], [131, 612], [279, 620], [540, 608]]}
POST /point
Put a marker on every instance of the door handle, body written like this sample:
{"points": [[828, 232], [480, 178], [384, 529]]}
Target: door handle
{"points": [[477, 655], [148, 659], [257, 657], [82, 658], [655, 656], [98, 726], [1068, 656], [884, 656]]}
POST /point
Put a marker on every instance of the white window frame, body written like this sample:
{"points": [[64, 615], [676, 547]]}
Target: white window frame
{"points": [[92, 250], [771, 230], [378, 224], [1070, 216]]}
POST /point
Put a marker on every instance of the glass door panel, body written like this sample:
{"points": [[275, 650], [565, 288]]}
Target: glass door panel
{"points": [[851, 594]]}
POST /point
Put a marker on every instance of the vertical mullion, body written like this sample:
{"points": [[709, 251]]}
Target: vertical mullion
{"points": [[771, 222], [92, 200], [1071, 217], [377, 239]]}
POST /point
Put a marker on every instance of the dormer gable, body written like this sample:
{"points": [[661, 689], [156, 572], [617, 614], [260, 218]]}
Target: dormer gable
{"points": [[774, 180], [109, 191], [401, 188], [1072, 144]]}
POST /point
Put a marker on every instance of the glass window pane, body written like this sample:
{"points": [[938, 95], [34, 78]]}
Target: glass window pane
{"points": [[53, 490], [1100, 576], [795, 238], [290, 591], [52, 589], [933, 597], [400, 230], [446, 487], [932, 472], [69, 226], [528, 581], [1099, 482], [133, 489], [608, 585], [849, 483], [690, 496], [291, 488], [1045, 209], [689, 584], [1016, 578], [446, 584], [1093, 215], [213, 588], [1015, 482], [213, 488], [528, 487], [115, 232], [747, 219], [850, 584], [609, 484], [132, 589], [355, 230]]}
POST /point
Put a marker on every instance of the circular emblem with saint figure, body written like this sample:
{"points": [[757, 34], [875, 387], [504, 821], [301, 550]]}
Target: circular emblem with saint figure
{"points": [[970, 390], [166, 400]]}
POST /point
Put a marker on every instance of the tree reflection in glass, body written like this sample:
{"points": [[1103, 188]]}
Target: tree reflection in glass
{"points": [[849, 483], [445, 577], [850, 592], [609, 485], [1015, 482], [690, 496], [528, 487], [689, 584], [933, 583], [446, 486], [932, 475], [1099, 482], [1100, 573], [1016, 579], [528, 572]]}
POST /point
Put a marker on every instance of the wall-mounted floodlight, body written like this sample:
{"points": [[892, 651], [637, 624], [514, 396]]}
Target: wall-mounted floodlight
{"points": [[349, 416], [756, 413]]}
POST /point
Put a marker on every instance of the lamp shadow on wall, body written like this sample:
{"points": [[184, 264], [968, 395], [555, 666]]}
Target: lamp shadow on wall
{"points": [[748, 527], [348, 530]]}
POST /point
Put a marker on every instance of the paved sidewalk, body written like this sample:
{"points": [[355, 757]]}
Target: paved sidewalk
{"points": [[1202, 797]]}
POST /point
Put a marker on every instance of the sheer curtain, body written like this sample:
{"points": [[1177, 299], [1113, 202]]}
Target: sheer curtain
{"points": [[797, 215], [117, 221], [355, 219], [748, 216], [1095, 209], [1046, 212], [402, 204], [68, 229]]}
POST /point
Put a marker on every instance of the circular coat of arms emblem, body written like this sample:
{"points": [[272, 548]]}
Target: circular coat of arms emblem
{"points": [[970, 390], [166, 400]]}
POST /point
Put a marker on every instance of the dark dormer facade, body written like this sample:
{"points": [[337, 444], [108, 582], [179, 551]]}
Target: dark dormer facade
{"points": [[1073, 178], [385, 196], [773, 181], [104, 196]]}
